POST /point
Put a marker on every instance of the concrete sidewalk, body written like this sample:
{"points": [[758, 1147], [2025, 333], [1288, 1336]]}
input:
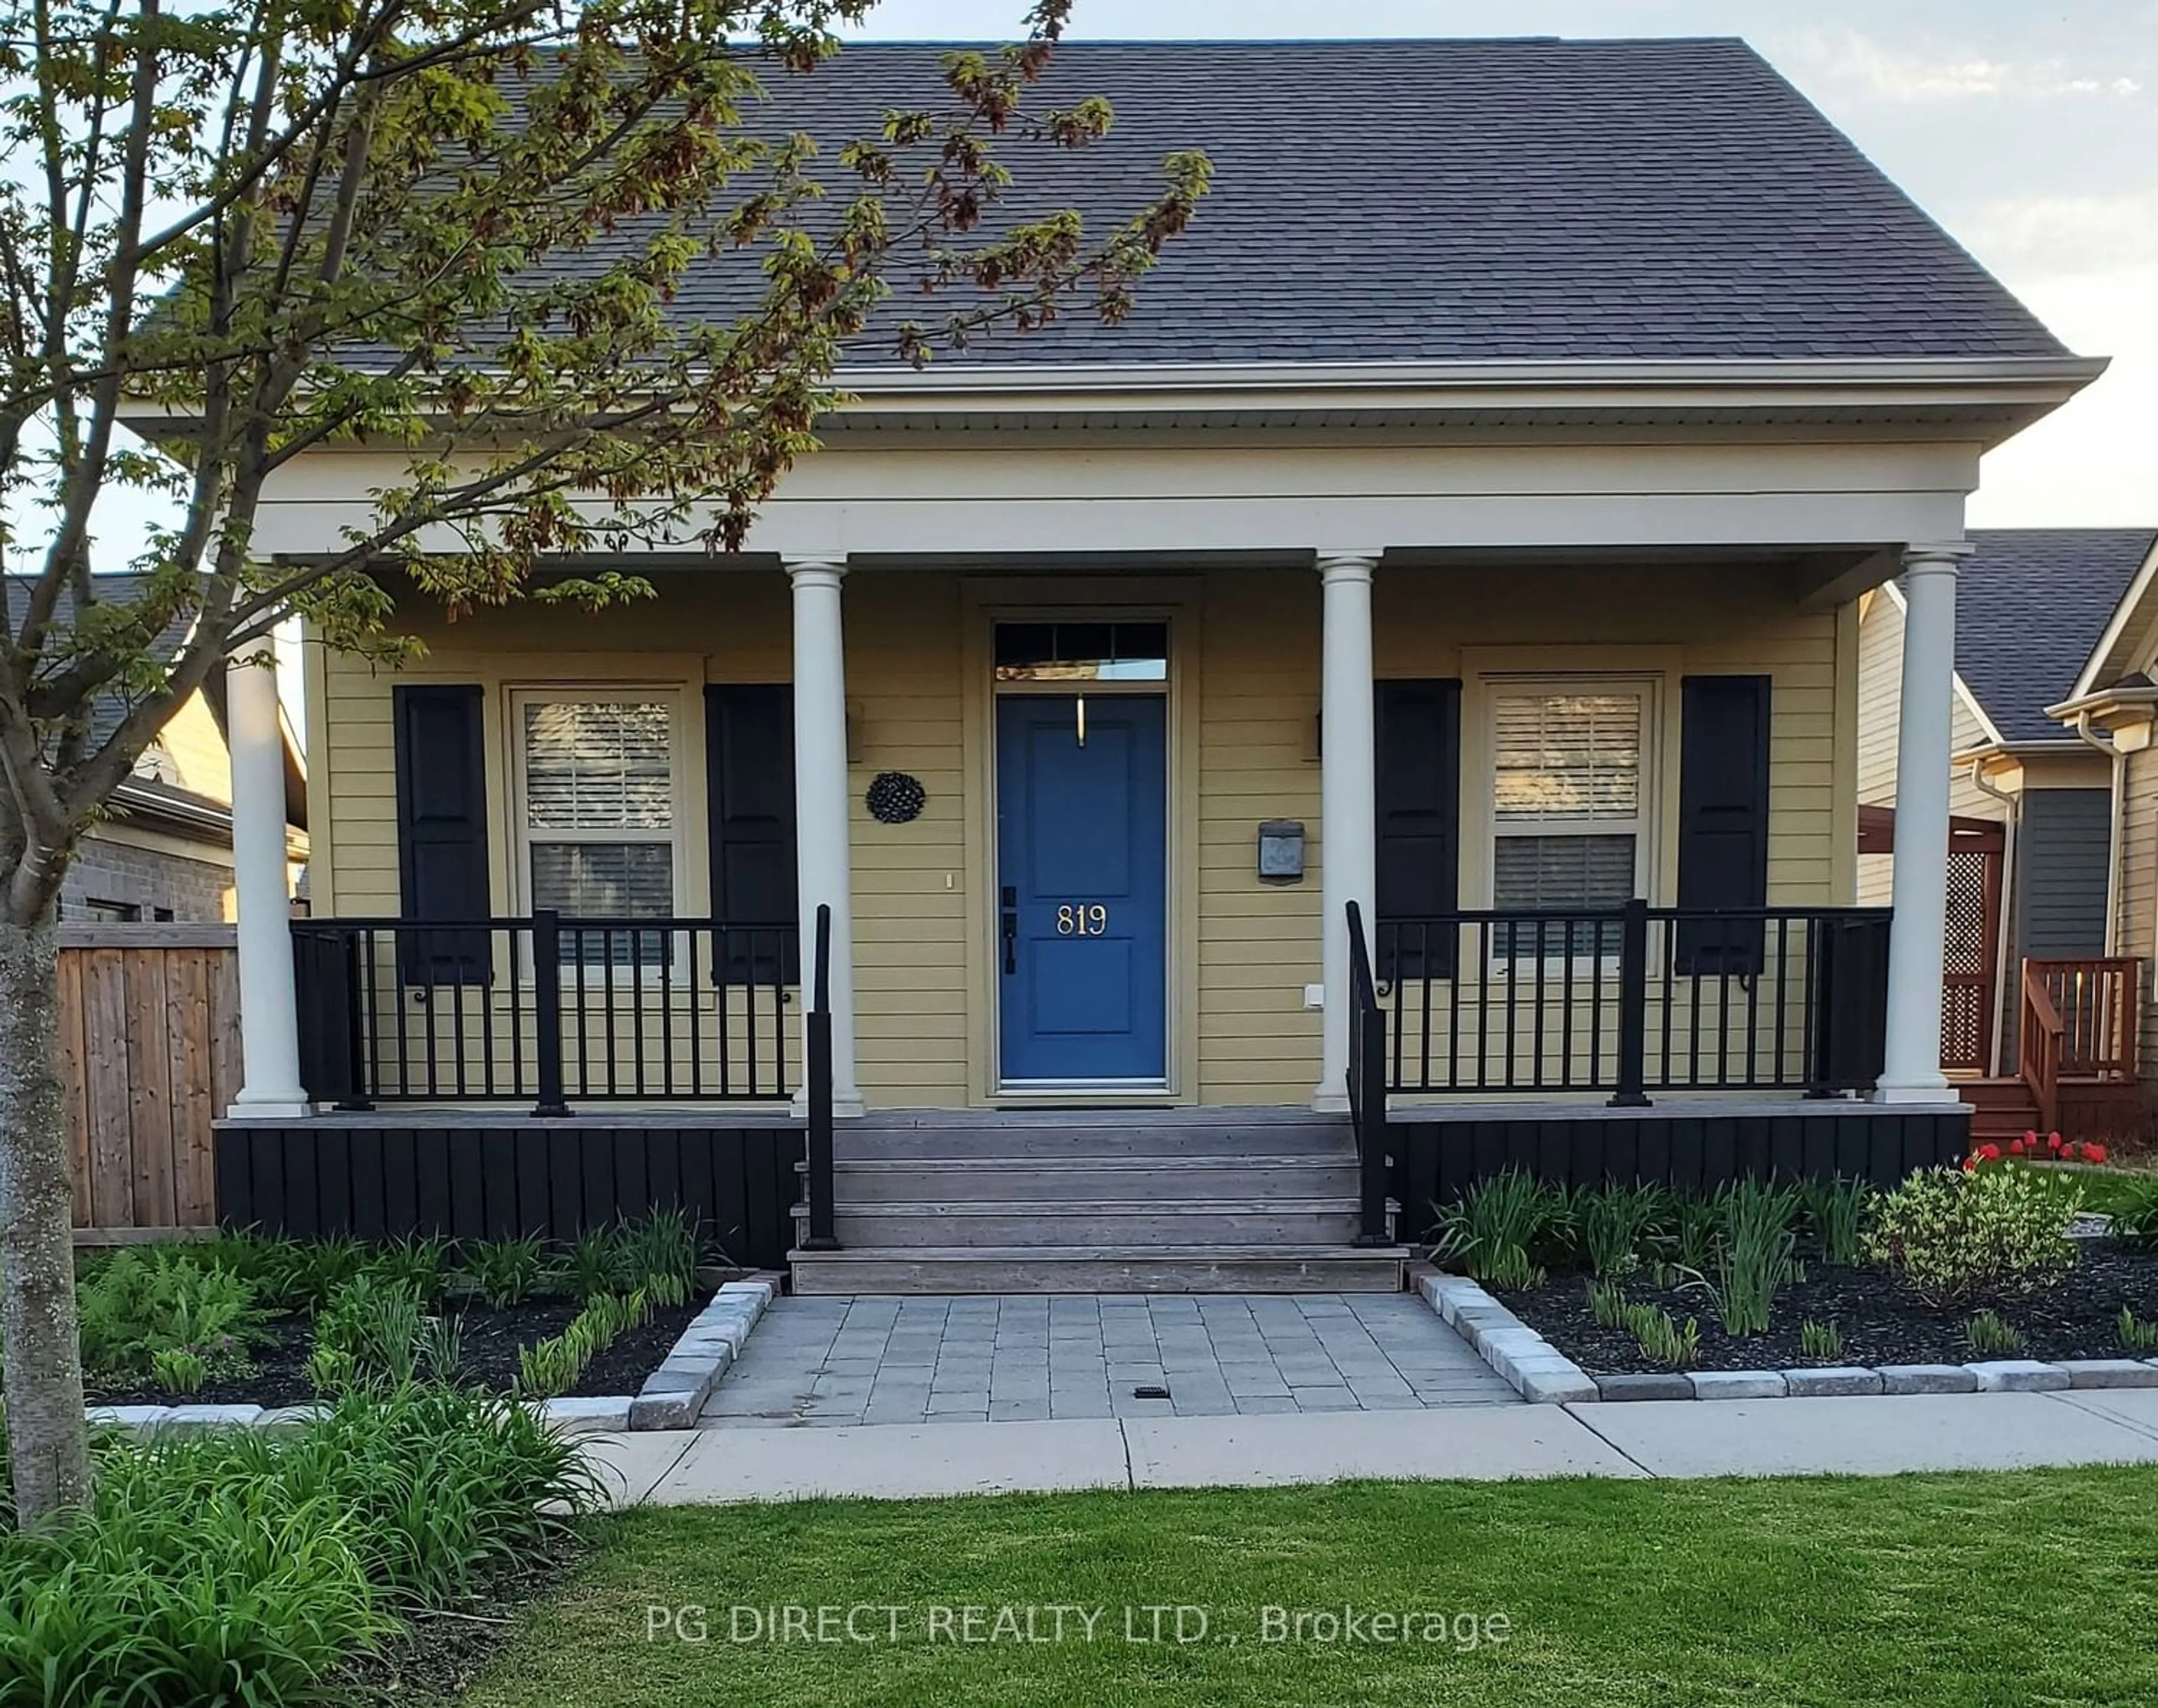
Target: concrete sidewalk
{"points": [[1874, 1436]]}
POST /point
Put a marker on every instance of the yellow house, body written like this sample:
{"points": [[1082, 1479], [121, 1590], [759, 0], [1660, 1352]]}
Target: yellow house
{"points": [[1388, 712]]}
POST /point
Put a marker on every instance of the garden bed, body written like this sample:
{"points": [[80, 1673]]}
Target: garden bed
{"points": [[243, 1320], [491, 1339], [1880, 1320]]}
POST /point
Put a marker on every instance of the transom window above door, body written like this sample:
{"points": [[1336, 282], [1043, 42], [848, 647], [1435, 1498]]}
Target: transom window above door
{"points": [[1569, 811], [1082, 652]]}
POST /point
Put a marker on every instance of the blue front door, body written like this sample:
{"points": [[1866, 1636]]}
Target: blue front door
{"points": [[1083, 785]]}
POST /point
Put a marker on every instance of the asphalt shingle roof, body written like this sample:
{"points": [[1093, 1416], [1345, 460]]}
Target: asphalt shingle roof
{"points": [[2030, 606], [1458, 200], [123, 590]]}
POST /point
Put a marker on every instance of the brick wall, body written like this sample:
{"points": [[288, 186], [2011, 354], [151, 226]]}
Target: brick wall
{"points": [[194, 891]]}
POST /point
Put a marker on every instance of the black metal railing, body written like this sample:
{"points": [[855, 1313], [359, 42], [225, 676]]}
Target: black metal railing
{"points": [[1367, 1086], [544, 1010], [816, 1089], [1631, 999]]}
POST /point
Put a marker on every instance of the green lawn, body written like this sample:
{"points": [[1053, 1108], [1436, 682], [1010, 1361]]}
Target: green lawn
{"points": [[1978, 1589]]}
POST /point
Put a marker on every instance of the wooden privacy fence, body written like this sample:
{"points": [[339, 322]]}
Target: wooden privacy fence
{"points": [[149, 1057]]}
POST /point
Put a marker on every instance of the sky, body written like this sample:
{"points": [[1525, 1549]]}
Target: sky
{"points": [[2028, 129]]}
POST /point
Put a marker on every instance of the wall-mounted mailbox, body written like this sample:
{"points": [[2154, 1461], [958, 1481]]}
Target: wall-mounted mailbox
{"points": [[1281, 851]]}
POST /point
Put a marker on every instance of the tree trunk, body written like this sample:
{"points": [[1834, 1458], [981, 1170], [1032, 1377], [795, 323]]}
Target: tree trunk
{"points": [[49, 1443]]}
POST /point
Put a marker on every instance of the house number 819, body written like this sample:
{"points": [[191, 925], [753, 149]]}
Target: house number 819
{"points": [[1089, 921]]}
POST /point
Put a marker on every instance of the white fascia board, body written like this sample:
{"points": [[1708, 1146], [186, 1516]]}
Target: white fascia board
{"points": [[2116, 626], [2027, 387], [1995, 740]]}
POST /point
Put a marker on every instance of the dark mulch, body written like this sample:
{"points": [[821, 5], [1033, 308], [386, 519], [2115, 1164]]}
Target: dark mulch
{"points": [[1882, 1321], [487, 1358]]}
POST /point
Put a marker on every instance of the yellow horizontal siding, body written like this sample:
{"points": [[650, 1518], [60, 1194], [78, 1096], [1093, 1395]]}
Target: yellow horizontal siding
{"points": [[1253, 691]]}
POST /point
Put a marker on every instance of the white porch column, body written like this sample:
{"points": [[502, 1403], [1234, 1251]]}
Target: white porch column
{"points": [[820, 803], [269, 1010], [1348, 794], [1913, 1070]]}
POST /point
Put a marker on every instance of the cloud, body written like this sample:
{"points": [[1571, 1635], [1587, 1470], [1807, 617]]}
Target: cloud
{"points": [[1913, 74], [2063, 233]]}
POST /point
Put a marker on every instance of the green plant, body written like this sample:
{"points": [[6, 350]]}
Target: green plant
{"points": [[1607, 1303], [179, 1370], [1823, 1341], [1659, 1337], [592, 1265], [1953, 1235], [249, 1568], [135, 1305], [505, 1272], [660, 1256], [1989, 1337], [1611, 1223], [414, 1265], [1496, 1229], [1836, 1219], [1686, 1236], [554, 1365], [377, 1334], [2134, 1213], [1755, 1252], [2138, 1335]]}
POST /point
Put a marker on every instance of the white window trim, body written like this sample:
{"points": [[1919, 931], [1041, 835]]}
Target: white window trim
{"points": [[1645, 826], [679, 757]]}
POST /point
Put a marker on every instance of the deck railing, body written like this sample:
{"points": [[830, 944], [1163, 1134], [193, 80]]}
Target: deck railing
{"points": [[2079, 1023], [544, 1011], [1367, 1086], [1633, 1000]]}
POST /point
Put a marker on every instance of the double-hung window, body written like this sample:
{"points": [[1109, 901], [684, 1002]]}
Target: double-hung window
{"points": [[1569, 808], [598, 814]]}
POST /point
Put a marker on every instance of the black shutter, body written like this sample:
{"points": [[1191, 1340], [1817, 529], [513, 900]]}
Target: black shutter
{"points": [[1419, 829], [442, 830], [749, 757], [1723, 821]]}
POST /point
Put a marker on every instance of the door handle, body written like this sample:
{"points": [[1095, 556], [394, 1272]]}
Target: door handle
{"points": [[1011, 940]]}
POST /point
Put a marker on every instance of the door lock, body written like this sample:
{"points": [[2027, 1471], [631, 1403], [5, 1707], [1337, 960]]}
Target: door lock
{"points": [[1010, 900]]}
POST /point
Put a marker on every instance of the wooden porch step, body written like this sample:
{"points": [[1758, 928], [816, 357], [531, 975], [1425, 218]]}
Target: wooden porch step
{"points": [[1060, 1179], [1118, 1221], [1052, 1136], [1039, 1269]]}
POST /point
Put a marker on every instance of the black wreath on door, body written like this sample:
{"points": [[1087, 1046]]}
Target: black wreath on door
{"points": [[896, 798]]}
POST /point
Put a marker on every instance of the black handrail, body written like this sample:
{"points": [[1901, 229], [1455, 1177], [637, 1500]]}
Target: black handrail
{"points": [[818, 1094], [1630, 999], [1367, 1088], [544, 1010]]}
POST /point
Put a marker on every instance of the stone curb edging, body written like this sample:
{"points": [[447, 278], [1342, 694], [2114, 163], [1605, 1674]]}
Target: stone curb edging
{"points": [[673, 1394], [671, 1398], [1543, 1375]]}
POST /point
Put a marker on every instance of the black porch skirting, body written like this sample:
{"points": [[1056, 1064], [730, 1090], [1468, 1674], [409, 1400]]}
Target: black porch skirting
{"points": [[1436, 1157], [490, 1178]]}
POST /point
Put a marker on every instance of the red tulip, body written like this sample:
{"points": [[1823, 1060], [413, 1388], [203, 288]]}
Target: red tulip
{"points": [[1989, 1153], [2053, 1140], [1970, 1165], [2094, 1152], [2015, 1147]]}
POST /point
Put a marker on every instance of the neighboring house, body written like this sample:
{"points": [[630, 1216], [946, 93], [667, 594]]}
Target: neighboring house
{"points": [[2032, 801], [164, 855], [2112, 701], [1472, 539]]}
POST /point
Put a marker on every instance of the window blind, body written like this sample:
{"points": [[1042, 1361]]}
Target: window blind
{"points": [[1567, 757], [597, 765]]}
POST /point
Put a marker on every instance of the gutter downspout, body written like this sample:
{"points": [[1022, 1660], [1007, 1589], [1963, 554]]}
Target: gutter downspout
{"points": [[2009, 912], [2104, 744]]}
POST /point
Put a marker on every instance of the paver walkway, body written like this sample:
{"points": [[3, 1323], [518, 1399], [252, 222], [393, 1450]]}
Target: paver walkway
{"points": [[999, 1358]]}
